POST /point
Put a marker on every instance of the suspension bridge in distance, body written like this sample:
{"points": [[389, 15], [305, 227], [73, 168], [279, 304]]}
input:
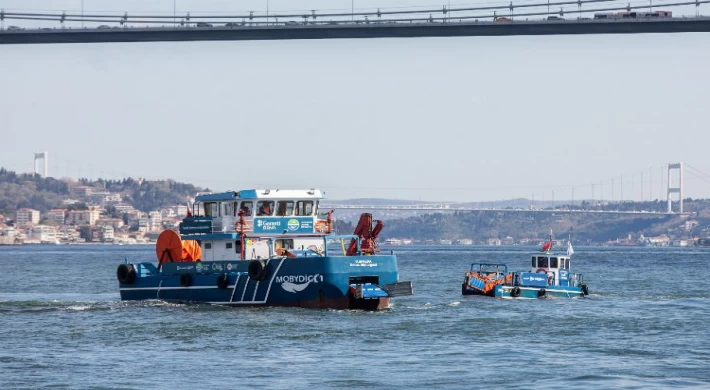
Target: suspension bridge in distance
{"points": [[606, 17], [452, 208], [673, 189]]}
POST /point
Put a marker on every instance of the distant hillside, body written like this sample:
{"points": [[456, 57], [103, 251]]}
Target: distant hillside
{"points": [[29, 190], [517, 203], [147, 195], [374, 201], [483, 225]]}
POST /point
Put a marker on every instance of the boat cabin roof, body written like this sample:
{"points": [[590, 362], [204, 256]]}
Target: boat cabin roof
{"points": [[260, 194]]}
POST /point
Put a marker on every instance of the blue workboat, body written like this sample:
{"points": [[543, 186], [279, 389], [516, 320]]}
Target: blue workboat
{"points": [[549, 276], [266, 248]]}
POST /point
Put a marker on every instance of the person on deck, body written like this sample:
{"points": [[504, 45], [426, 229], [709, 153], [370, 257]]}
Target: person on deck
{"points": [[264, 209]]}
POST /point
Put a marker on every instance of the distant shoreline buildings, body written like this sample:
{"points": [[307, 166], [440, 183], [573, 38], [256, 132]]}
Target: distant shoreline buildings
{"points": [[89, 216]]}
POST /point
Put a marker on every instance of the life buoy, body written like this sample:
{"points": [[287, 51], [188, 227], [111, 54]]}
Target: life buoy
{"points": [[541, 293], [257, 269], [322, 226], [541, 271], [222, 281], [126, 274], [241, 227], [186, 280], [585, 289], [515, 292]]}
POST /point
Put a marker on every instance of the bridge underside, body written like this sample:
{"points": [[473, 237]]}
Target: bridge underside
{"points": [[374, 30]]}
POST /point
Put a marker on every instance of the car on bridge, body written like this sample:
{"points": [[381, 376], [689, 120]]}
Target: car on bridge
{"points": [[203, 24]]}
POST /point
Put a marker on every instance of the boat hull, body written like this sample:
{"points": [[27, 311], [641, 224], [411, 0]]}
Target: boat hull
{"points": [[509, 292], [317, 282]]}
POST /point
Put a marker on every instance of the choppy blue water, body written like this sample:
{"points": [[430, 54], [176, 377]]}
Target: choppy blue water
{"points": [[645, 325]]}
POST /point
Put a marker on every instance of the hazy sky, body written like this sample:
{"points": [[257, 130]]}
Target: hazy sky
{"points": [[461, 119]]}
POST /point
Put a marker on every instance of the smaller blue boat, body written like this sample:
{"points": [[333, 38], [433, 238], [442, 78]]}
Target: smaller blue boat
{"points": [[549, 276]]}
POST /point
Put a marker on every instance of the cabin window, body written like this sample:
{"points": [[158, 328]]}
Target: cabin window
{"points": [[211, 209], [238, 246], [265, 207], [284, 208], [229, 245], [566, 263], [304, 207], [247, 207], [283, 243], [228, 208], [553, 262], [542, 262], [208, 245], [534, 262]]}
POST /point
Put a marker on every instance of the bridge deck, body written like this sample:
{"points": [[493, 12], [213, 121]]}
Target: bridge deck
{"points": [[372, 30]]}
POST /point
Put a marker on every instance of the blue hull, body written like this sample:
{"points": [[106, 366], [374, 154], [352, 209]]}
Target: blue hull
{"points": [[319, 282], [507, 292], [539, 292]]}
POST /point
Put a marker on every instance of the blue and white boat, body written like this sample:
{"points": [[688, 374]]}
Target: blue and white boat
{"points": [[549, 276], [266, 248]]}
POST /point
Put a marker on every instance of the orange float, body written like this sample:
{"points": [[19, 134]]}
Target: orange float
{"points": [[322, 226], [191, 251]]}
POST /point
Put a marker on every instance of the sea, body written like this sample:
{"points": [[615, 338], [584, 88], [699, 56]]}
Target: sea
{"points": [[645, 325]]}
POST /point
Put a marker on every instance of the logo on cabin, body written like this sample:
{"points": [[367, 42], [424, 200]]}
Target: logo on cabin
{"points": [[296, 283], [293, 225], [265, 226]]}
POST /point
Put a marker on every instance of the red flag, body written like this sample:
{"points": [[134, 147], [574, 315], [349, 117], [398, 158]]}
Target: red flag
{"points": [[546, 247], [189, 214]]}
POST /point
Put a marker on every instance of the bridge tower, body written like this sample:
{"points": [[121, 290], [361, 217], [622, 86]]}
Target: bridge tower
{"points": [[675, 190], [44, 158]]}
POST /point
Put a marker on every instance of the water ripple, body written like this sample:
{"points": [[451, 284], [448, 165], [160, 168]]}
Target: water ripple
{"points": [[636, 331]]}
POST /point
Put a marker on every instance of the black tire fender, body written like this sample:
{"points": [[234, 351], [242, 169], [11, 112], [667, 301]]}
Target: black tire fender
{"points": [[585, 289], [126, 274], [515, 292], [541, 293], [257, 269], [222, 281], [186, 280]]}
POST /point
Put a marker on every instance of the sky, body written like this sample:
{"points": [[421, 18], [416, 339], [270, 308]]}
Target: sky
{"points": [[435, 119]]}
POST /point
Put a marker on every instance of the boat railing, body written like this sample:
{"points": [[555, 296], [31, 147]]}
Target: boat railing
{"points": [[576, 280], [489, 268], [340, 239]]}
